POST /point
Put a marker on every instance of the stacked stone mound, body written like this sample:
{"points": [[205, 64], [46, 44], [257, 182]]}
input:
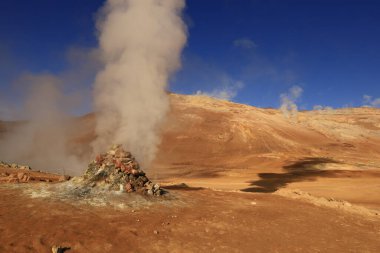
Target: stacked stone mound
{"points": [[118, 170]]}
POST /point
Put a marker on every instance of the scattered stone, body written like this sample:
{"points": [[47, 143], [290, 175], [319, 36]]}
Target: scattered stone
{"points": [[23, 174], [20, 175], [347, 203], [59, 249], [118, 170], [14, 166], [3, 164], [12, 178], [155, 232], [63, 178]]}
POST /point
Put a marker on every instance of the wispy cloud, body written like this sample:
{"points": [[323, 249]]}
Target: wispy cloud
{"points": [[244, 43], [370, 101], [228, 89]]}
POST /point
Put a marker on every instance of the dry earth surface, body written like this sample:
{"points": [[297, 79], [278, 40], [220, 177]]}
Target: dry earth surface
{"points": [[256, 182]]}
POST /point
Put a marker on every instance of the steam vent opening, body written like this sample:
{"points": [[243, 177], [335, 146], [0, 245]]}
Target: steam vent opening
{"points": [[118, 170]]}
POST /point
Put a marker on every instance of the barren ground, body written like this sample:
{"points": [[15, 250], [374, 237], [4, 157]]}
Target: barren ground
{"points": [[243, 166]]}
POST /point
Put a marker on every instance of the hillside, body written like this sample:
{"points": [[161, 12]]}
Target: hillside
{"points": [[234, 172]]}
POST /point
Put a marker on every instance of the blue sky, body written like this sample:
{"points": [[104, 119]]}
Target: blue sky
{"points": [[255, 50]]}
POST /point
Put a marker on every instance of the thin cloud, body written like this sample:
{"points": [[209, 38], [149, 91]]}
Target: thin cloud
{"points": [[245, 43]]}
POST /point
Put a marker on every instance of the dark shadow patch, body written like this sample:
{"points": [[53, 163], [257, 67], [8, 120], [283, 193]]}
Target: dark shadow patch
{"points": [[271, 182], [195, 172], [182, 187], [301, 171], [133, 232], [308, 163]]}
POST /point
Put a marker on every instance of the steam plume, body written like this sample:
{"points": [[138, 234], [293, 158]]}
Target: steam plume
{"points": [[41, 140], [141, 42], [322, 109], [288, 101], [371, 102], [228, 91]]}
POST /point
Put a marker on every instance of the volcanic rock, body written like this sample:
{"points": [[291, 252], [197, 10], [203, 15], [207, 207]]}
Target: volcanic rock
{"points": [[118, 170]]}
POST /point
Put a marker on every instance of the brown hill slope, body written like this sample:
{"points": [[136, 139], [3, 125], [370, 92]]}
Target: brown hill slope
{"points": [[209, 130], [219, 144], [224, 145]]}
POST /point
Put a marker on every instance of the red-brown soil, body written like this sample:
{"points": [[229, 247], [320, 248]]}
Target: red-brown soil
{"points": [[199, 221]]}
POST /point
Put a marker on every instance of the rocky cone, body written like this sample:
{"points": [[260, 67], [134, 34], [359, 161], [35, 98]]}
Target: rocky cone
{"points": [[118, 170]]}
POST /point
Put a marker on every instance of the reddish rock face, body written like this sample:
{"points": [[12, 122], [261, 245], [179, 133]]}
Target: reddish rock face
{"points": [[128, 187], [99, 158]]}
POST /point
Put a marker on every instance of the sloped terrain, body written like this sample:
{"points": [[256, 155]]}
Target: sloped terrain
{"points": [[241, 179]]}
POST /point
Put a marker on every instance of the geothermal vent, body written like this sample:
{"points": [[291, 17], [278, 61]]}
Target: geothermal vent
{"points": [[118, 170]]}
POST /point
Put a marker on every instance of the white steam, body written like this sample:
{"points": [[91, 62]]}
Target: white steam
{"points": [[141, 43], [322, 109], [368, 101], [41, 141], [228, 90], [288, 102], [140, 46]]}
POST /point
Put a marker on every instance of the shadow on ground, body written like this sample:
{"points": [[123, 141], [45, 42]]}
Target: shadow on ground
{"points": [[306, 169], [183, 187], [190, 171]]}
